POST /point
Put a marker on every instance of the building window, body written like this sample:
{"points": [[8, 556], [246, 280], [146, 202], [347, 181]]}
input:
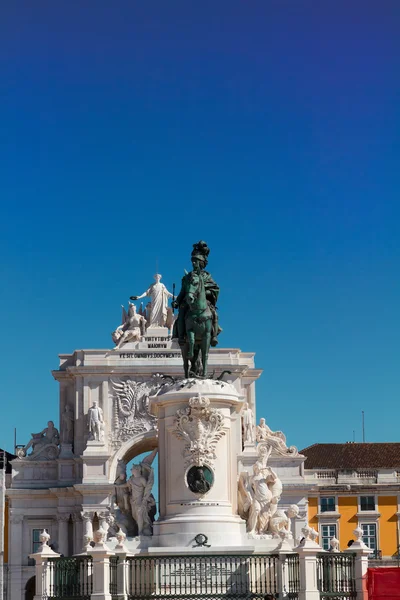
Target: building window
{"points": [[367, 503], [328, 504], [327, 533], [36, 539], [369, 536]]}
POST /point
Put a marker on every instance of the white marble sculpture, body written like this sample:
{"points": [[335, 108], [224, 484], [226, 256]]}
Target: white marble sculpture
{"points": [[67, 425], [44, 444], [121, 493], [95, 422], [159, 311], [200, 427], [248, 424], [258, 496], [142, 502], [275, 439], [132, 328]]}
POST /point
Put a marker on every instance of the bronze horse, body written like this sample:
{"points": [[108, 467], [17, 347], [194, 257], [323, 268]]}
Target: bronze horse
{"points": [[198, 324]]}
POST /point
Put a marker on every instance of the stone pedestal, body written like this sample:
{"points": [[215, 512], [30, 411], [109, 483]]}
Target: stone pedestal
{"points": [[187, 443], [66, 451], [362, 553]]}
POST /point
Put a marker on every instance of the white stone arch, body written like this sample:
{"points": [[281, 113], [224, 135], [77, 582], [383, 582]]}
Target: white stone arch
{"points": [[141, 442]]}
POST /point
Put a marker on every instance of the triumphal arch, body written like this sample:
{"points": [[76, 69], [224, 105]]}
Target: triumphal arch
{"points": [[169, 396]]}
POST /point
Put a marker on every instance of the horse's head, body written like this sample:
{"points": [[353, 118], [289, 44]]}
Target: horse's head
{"points": [[194, 282]]}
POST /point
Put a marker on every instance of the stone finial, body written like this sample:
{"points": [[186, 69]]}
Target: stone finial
{"points": [[86, 543], [309, 541], [121, 537], [358, 544], [44, 538], [358, 533], [284, 545], [334, 545], [44, 548], [99, 536], [306, 531]]}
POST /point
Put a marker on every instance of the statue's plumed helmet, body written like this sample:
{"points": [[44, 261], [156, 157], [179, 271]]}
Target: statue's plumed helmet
{"points": [[201, 251]]}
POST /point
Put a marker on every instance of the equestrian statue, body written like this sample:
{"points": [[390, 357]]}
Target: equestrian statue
{"points": [[196, 326]]}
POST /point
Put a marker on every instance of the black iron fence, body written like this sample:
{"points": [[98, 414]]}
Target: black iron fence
{"points": [[70, 578], [336, 576], [207, 576], [114, 577], [293, 567]]}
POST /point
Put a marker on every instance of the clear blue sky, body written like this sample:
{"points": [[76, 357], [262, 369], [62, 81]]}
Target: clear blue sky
{"points": [[269, 128]]}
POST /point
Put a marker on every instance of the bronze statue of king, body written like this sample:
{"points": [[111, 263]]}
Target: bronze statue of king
{"points": [[197, 325]]}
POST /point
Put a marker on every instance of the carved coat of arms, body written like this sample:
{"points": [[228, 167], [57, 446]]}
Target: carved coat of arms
{"points": [[200, 427]]}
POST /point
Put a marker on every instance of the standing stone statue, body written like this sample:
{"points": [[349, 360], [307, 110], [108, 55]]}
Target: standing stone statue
{"points": [[96, 422], [159, 302], [132, 328], [67, 425], [197, 324], [248, 424]]}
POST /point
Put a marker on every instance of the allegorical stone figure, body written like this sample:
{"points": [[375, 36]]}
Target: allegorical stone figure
{"points": [[67, 429], [259, 494], [263, 432], [96, 422], [142, 502], [49, 435], [159, 302], [132, 329]]}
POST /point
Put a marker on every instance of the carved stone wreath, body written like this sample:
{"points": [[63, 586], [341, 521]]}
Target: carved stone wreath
{"points": [[200, 427]]}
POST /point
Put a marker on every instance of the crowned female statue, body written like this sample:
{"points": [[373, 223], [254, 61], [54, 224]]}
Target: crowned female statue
{"points": [[159, 302]]}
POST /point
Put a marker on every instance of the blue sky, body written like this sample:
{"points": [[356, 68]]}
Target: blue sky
{"points": [[269, 128]]}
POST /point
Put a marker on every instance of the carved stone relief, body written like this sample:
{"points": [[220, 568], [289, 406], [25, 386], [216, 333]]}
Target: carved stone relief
{"points": [[131, 408], [200, 427]]}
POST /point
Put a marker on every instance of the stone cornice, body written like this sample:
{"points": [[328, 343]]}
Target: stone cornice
{"points": [[29, 492], [94, 489]]}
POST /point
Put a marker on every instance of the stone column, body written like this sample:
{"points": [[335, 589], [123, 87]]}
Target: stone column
{"points": [[15, 558], [44, 575], [122, 575], [63, 519], [308, 566], [87, 517], [283, 550], [77, 533], [101, 568], [362, 552], [103, 520], [121, 551]]}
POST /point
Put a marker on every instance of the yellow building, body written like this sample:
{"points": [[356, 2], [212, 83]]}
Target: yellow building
{"points": [[355, 484]]}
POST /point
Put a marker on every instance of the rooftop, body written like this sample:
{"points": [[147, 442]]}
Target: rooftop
{"points": [[352, 456]]}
